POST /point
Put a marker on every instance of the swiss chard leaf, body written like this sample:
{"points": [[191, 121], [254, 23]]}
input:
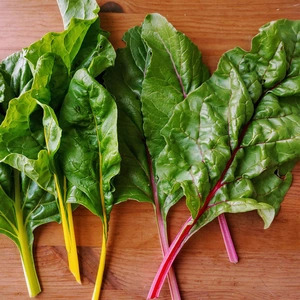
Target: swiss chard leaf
{"points": [[20, 76], [143, 82], [39, 77], [83, 44], [146, 92], [238, 130], [231, 134], [88, 118], [23, 207], [72, 9], [89, 152], [30, 138], [174, 71], [124, 81], [22, 140]]}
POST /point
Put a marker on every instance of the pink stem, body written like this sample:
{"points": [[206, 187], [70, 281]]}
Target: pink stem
{"points": [[163, 237], [232, 255], [169, 258], [178, 243]]}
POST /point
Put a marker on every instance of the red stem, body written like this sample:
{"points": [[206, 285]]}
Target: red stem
{"points": [[176, 246], [169, 258], [163, 237], [184, 233], [227, 239]]}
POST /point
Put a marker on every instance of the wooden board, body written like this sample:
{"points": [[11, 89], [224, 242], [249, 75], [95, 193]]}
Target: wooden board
{"points": [[269, 266]]}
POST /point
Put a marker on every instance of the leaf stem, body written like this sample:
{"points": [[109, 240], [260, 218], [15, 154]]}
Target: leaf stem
{"points": [[169, 258], [186, 231], [68, 230], [99, 278], [231, 252], [25, 248], [163, 237]]}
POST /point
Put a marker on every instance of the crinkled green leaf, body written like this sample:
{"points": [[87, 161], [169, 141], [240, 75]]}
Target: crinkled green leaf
{"points": [[96, 53], [65, 44], [175, 70], [20, 76], [85, 10], [22, 144], [89, 150], [15, 79], [124, 80], [51, 80], [157, 69], [82, 44], [6, 92], [234, 130]]}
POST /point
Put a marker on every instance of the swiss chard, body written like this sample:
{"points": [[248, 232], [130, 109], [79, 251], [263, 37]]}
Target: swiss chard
{"points": [[230, 146], [42, 75], [24, 204], [139, 81], [23, 207], [89, 119], [214, 142], [82, 44]]}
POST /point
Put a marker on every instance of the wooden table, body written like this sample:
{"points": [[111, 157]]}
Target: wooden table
{"points": [[269, 266]]}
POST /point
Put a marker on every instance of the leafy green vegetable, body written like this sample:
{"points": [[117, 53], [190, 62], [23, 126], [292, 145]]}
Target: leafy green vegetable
{"points": [[41, 76], [23, 207], [225, 144], [89, 120], [230, 146], [24, 204], [140, 81]]}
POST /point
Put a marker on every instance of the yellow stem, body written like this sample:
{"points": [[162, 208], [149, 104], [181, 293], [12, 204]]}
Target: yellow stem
{"points": [[99, 278], [30, 274], [69, 234]]}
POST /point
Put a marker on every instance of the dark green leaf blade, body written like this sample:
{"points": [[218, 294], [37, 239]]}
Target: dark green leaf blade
{"points": [[19, 71], [175, 70], [124, 81], [89, 150], [266, 128]]}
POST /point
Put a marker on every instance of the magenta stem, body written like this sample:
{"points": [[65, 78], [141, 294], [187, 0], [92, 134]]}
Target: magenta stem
{"points": [[169, 258], [163, 237], [231, 252]]}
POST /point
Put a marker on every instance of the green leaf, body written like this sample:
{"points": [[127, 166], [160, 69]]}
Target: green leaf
{"points": [[23, 207], [139, 78], [89, 150], [175, 70], [30, 138], [65, 44], [72, 9], [156, 70], [22, 141], [6, 92], [15, 78], [20, 76], [51, 80], [124, 80], [96, 53], [225, 133]]}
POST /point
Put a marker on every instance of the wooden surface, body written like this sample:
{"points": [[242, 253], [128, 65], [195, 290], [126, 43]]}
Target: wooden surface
{"points": [[269, 266]]}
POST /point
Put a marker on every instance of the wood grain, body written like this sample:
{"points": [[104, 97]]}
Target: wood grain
{"points": [[269, 266]]}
